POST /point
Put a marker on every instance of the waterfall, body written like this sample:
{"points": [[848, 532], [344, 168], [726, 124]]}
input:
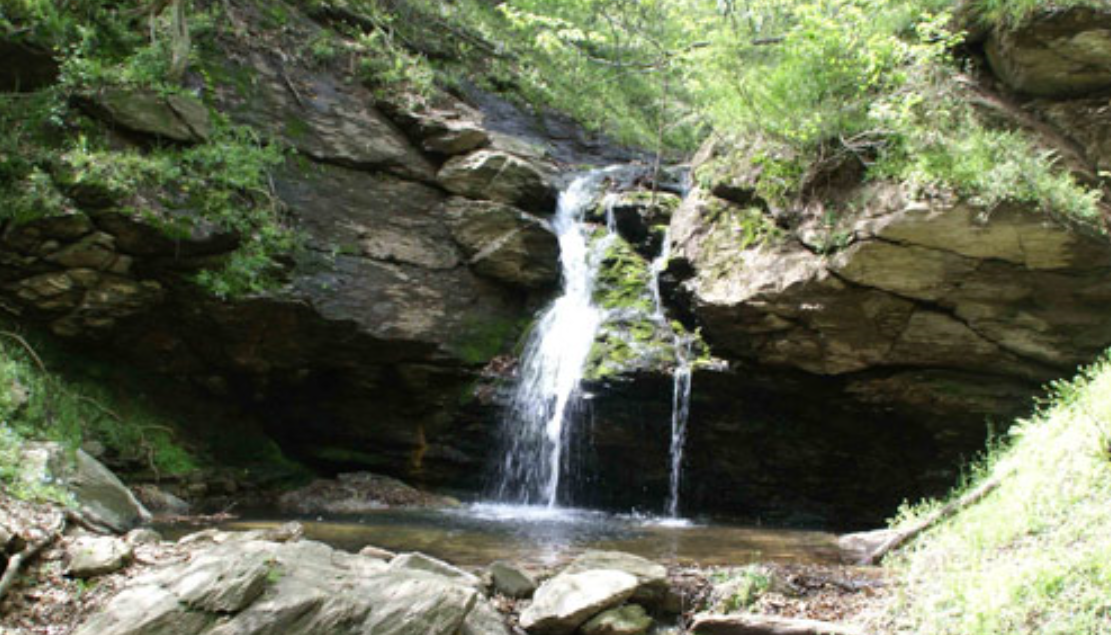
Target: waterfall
{"points": [[681, 381], [542, 408]]}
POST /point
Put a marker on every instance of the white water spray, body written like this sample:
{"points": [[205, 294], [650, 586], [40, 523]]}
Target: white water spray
{"points": [[554, 358]]}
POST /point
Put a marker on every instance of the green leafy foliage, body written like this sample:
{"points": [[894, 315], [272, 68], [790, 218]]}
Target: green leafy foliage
{"points": [[51, 152]]}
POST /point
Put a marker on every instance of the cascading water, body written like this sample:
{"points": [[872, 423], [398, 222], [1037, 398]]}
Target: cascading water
{"points": [[681, 381], [555, 354]]}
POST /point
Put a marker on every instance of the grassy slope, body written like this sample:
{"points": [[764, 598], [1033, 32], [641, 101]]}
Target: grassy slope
{"points": [[1035, 556]]}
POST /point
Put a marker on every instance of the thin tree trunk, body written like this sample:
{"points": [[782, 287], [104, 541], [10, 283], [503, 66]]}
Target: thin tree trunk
{"points": [[180, 44]]}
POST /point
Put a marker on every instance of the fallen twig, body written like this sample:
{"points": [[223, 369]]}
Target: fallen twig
{"points": [[21, 559], [766, 625]]}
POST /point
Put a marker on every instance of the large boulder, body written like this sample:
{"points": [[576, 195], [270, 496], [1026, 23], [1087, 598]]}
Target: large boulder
{"points": [[565, 602], [356, 493], [505, 244], [99, 494], [1055, 52], [652, 584], [176, 117], [244, 585], [499, 176], [1010, 294], [421, 562], [93, 556]]}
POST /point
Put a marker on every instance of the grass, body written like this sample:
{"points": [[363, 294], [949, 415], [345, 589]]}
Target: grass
{"points": [[1035, 555]]}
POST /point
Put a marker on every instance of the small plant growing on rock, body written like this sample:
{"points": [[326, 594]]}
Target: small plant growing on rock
{"points": [[738, 589]]}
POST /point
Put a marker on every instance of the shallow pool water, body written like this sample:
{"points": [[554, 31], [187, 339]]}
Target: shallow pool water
{"points": [[475, 535]]}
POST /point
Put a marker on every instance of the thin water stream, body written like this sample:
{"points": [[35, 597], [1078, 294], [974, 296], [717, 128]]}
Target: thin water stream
{"points": [[681, 380]]}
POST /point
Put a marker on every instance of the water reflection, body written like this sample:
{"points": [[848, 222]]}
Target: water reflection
{"points": [[476, 535]]}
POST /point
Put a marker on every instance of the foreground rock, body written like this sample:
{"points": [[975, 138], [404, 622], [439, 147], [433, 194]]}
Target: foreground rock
{"points": [[421, 562], [627, 620], [240, 584], [100, 496], [565, 602], [652, 584], [357, 493], [511, 580], [97, 555]]}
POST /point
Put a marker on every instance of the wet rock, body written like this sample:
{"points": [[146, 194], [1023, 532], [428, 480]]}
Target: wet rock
{"points": [[1055, 52], [630, 619], [356, 493], [504, 243], [500, 177], [641, 218], [511, 580], [421, 562], [99, 494], [175, 117], [652, 585], [565, 602], [94, 556]]}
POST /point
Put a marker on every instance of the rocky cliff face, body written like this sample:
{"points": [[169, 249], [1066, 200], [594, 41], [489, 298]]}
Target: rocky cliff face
{"points": [[418, 261]]}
